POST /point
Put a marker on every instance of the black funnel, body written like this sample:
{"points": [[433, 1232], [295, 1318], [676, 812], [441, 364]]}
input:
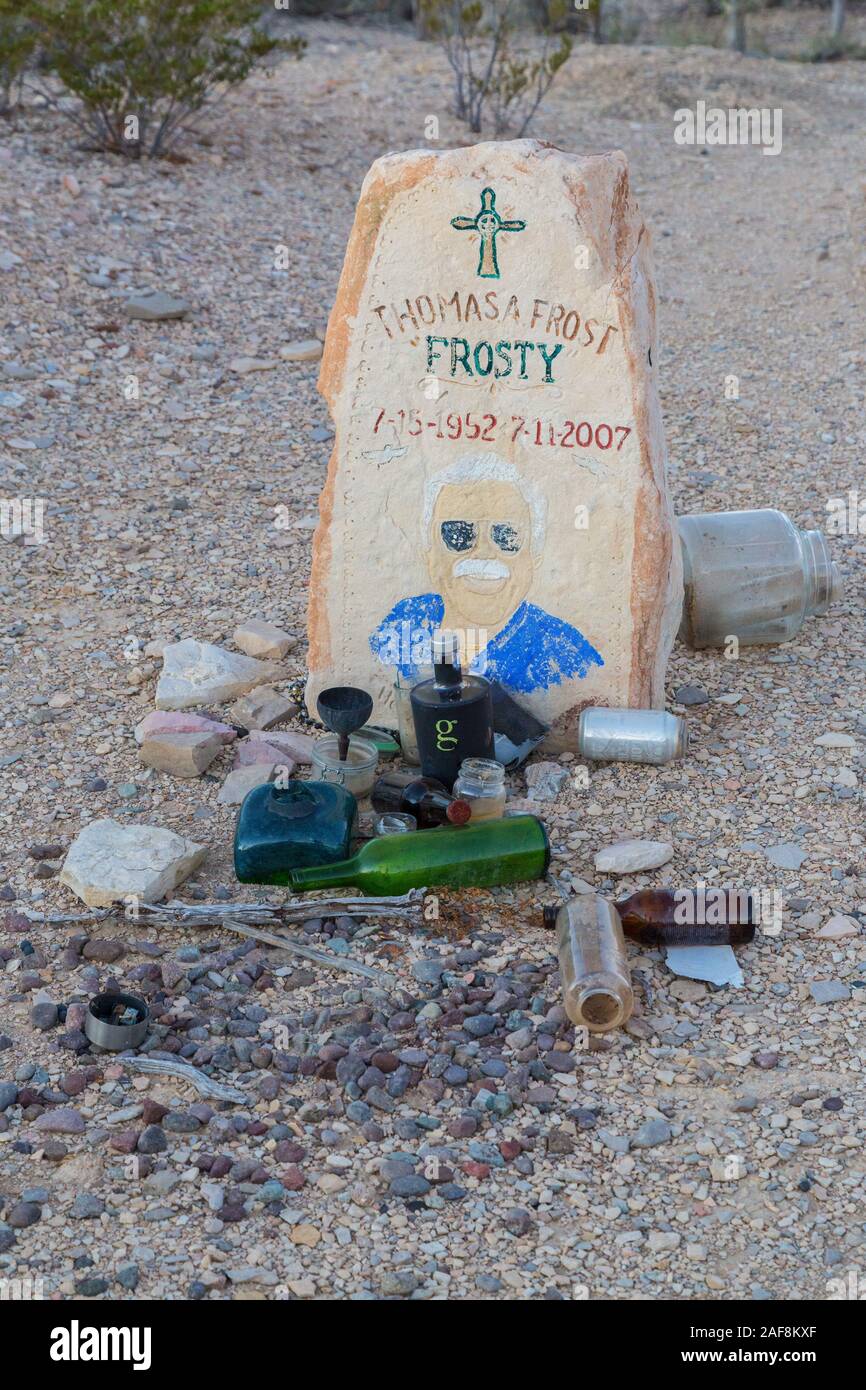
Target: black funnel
{"points": [[343, 709]]}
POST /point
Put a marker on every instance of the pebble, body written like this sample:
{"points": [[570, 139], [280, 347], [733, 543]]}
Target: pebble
{"points": [[691, 695], [8, 1094], [650, 1134], [544, 780], [63, 1120], [87, 1207], [304, 350], [633, 856], [155, 306], [829, 991], [152, 1140], [518, 1221], [788, 856], [23, 1214]]}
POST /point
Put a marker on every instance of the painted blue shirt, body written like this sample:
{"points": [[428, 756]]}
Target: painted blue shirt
{"points": [[532, 652]]}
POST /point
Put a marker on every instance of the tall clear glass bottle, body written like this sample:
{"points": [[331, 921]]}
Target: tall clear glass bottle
{"points": [[596, 981]]}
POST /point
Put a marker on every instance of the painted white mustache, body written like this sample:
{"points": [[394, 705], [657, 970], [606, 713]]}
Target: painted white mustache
{"points": [[481, 569]]}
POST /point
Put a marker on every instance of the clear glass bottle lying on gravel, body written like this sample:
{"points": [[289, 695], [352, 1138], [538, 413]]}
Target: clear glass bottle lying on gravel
{"points": [[752, 575], [596, 982]]}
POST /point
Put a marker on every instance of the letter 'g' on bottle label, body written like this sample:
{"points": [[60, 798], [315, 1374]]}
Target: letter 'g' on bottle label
{"points": [[446, 739]]}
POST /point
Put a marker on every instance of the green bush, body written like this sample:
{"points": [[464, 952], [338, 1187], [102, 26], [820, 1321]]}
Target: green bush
{"points": [[142, 68], [17, 42], [831, 48], [490, 74]]}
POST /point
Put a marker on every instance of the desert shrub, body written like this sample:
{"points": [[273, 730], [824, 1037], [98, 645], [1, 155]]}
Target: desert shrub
{"points": [[830, 48], [143, 68], [17, 42], [490, 72]]}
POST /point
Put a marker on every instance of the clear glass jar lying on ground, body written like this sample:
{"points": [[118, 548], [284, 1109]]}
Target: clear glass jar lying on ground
{"points": [[752, 575]]}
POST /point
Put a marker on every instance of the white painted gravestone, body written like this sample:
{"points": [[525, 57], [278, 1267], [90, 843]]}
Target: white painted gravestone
{"points": [[499, 461]]}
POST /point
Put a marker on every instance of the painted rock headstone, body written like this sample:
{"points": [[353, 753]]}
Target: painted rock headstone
{"points": [[499, 461]]}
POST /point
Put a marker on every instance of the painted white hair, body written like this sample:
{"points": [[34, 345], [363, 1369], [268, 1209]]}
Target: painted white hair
{"points": [[484, 468]]}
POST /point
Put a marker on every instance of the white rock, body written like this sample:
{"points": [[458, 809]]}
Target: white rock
{"points": [[257, 638], [109, 862], [837, 927], [632, 856], [244, 365], [845, 777], [660, 1241], [544, 780], [305, 350], [155, 306], [261, 708], [242, 780], [248, 1274], [835, 740], [716, 964], [199, 673]]}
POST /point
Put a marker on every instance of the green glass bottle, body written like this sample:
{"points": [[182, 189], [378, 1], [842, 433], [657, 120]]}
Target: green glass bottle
{"points": [[468, 856], [284, 828]]}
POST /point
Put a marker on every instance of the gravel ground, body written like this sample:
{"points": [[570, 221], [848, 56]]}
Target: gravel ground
{"points": [[445, 1140]]}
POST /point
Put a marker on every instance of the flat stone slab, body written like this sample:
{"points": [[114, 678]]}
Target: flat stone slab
{"points": [[263, 640], [178, 722], [241, 780], [261, 708], [829, 991], [109, 862], [786, 856], [183, 755], [297, 748], [200, 673]]}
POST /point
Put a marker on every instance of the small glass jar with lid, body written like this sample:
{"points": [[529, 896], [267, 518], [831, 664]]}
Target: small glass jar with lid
{"points": [[481, 782], [395, 823], [357, 772]]}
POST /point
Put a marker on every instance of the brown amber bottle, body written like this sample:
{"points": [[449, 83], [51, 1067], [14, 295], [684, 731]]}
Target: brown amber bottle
{"points": [[686, 917], [422, 797]]}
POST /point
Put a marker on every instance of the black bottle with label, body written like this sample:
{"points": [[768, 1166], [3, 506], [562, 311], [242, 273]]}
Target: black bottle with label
{"points": [[453, 714]]}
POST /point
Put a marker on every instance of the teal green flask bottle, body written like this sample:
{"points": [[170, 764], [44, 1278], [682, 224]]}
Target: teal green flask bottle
{"points": [[284, 828]]}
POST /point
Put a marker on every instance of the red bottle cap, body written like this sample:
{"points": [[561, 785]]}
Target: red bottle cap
{"points": [[459, 812]]}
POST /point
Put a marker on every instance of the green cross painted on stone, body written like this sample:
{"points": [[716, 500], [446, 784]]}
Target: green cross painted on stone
{"points": [[488, 224]]}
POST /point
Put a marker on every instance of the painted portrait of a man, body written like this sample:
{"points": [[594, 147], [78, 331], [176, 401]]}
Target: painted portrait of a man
{"points": [[483, 532]]}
